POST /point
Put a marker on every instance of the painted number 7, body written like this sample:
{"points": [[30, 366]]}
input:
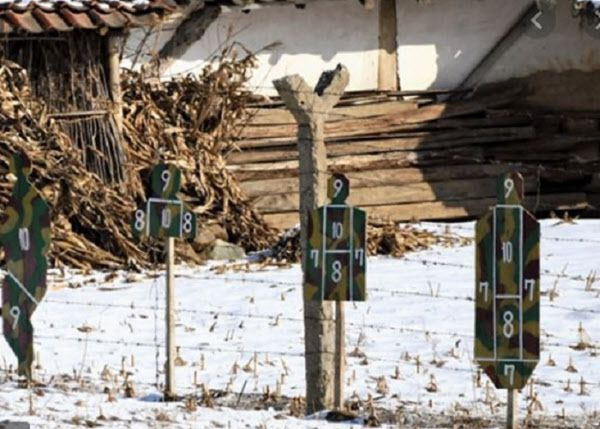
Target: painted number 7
{"points": [[529, 287], [314, 254], [509, 370]]}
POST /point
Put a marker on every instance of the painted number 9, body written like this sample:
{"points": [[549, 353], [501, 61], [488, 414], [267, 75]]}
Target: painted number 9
{"points": [[15, 313], [509, 187], [338, 185], [166, 178]]}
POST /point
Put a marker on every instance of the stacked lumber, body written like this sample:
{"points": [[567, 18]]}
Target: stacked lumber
{"points": [[421, 158]]}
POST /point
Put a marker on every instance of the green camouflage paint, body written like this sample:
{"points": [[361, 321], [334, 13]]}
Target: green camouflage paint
{"points": [[164, 215], [507, 288], [335, 255], [25, 237]]}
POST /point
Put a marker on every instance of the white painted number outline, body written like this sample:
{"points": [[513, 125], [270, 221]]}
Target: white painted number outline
{"points": [[24, 239], [509, 370], [15, 313], [140, 220], [508, 329], [509, 187]]}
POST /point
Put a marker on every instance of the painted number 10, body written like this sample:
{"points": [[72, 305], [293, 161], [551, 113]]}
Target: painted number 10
{"points": [[507, 252], [337, 229]]}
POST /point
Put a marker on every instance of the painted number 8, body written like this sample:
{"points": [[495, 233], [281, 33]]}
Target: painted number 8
{"points": [[509, 186], [508, 330], [187, 223], [336, 275], [166, 178], [140, 220]]}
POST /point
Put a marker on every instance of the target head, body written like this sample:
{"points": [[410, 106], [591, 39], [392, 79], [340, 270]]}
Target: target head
{"points": [[20, 164], [165, 181], [338, 188], [510, 189]]}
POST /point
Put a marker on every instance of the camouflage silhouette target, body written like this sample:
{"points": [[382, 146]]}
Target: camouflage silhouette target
{"points": [[25, 237], [164, 215], [507, 288], [336, 254]]}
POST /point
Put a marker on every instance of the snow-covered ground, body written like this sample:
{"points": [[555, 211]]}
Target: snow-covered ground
{"points": [[242, 332]]}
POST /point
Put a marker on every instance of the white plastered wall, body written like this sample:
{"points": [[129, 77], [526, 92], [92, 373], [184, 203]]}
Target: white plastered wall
{"points": [[441, 41], [306, 41]]}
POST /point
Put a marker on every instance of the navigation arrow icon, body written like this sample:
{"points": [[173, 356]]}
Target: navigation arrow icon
{"points": [[534, 20]]}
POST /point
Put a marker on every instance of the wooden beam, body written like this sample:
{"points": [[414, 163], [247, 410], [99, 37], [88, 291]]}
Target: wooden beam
{"points": [[443, 210], [387, 70], [114, 43]]}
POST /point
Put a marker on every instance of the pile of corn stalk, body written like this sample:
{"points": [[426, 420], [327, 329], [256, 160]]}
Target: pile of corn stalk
{"points": [[189, 121]]}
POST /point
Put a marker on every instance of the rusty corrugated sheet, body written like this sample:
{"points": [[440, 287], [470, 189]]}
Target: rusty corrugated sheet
{"points": [[39, 16]]}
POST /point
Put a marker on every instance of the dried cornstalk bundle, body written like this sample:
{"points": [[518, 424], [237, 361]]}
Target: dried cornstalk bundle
{"points": [[189, 121], [193, 121]]}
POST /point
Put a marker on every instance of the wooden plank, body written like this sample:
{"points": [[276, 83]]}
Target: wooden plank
{"points": [[391, 122], [383, 177], [449, 190], [441, 210], [400, 131], [398, 159], [425, 141], [280, 116]]}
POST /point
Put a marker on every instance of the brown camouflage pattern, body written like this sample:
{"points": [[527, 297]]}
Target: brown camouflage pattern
{"points": [[335, 255], [164, 215], [507, 276], [25, 237]]}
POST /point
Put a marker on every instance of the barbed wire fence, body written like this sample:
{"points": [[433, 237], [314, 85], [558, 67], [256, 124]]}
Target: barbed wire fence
{"points": [[254, 278]]}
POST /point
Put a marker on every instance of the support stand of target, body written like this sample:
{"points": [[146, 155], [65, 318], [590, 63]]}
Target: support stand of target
{"points": [[512, 409], [164, 216], [170, 319], [335, 265], [340, 353]]}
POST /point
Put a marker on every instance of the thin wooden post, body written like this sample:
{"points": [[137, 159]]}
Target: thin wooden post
{"points": [[387, 70], [512, 409], [170, 320], [340, 355], [114, 41], [310, 108]]}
